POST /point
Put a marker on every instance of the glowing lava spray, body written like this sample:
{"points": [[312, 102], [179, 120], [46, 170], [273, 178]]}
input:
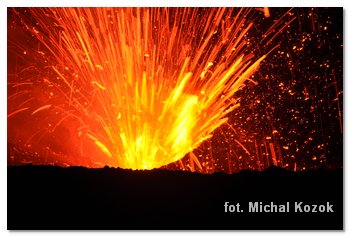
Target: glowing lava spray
{"points": [[145, 86]]}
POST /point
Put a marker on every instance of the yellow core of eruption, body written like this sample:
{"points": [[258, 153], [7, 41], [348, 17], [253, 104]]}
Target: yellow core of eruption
{"points": [[153, 139]]}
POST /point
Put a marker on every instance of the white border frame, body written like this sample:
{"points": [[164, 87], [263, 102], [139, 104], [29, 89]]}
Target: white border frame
{"points": [[177, 3]]}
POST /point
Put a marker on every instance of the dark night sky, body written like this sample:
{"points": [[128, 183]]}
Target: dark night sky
{"points": [[297, 101]]}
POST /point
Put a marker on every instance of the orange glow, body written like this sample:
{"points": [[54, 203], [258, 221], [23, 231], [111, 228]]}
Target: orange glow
{"points": [[145, 86]]}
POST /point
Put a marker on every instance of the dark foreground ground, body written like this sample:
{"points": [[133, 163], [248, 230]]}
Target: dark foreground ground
{"points": [[47, 197]]}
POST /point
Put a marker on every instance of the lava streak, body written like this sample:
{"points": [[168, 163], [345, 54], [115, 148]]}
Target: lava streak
{"points": [[140, 87]]}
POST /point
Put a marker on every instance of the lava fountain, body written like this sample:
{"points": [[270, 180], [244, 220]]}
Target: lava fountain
{"points": [[138, 87]]}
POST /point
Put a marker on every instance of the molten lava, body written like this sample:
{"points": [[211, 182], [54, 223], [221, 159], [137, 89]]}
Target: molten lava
{"points": [[138, 87]]}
